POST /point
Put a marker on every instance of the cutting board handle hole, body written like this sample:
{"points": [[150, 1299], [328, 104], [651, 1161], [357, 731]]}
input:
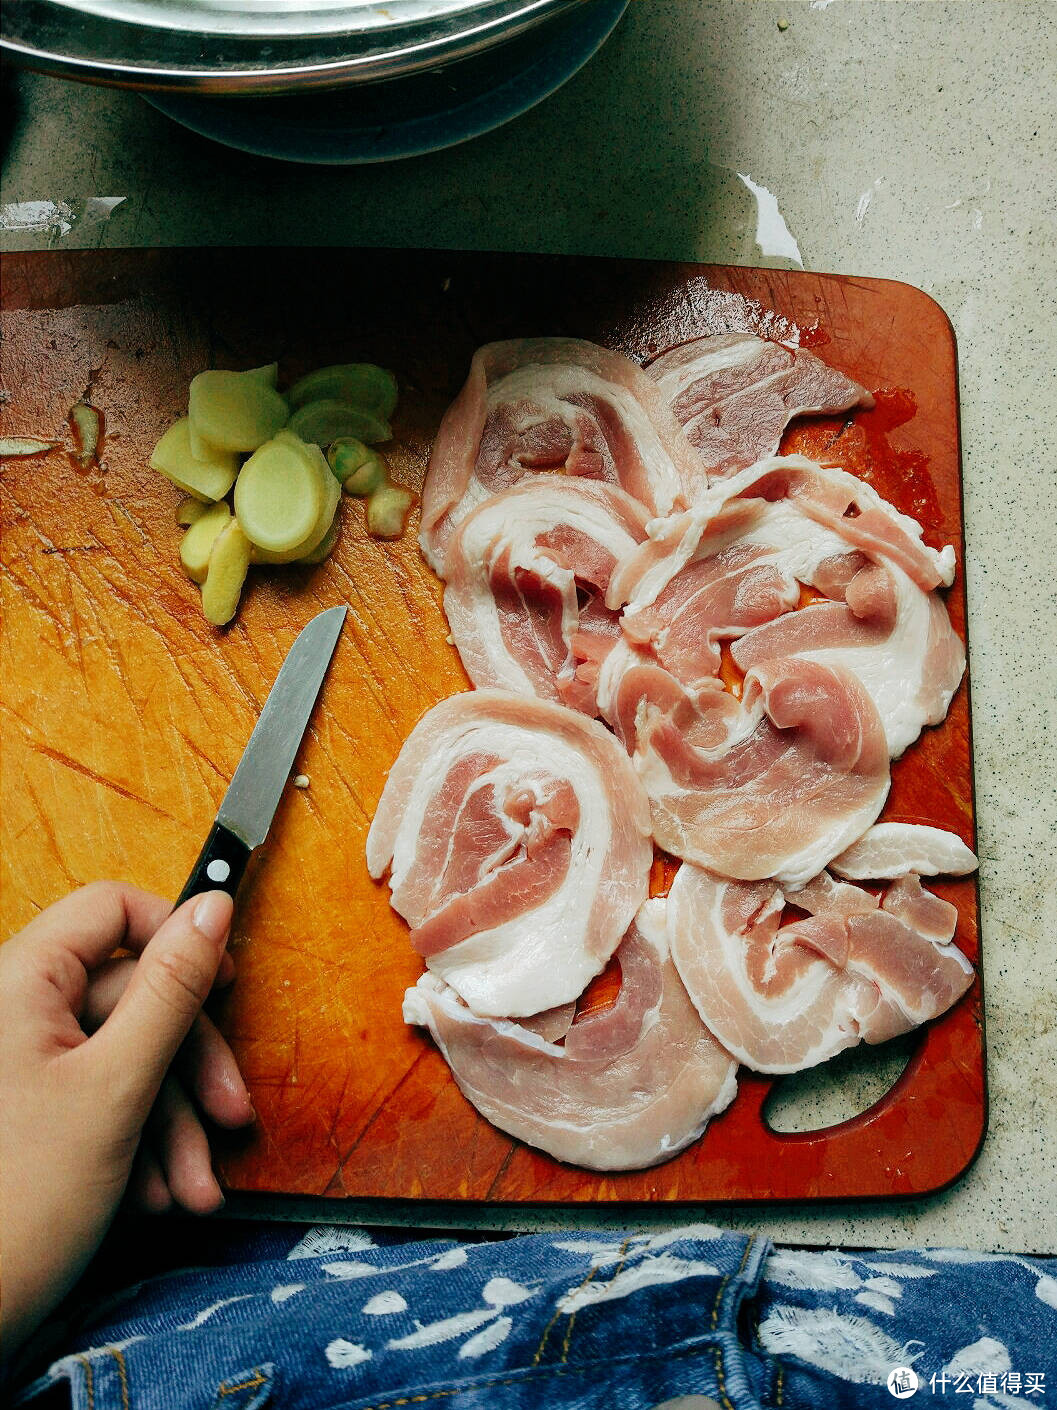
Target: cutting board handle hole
{"points": [[838, 1090]]}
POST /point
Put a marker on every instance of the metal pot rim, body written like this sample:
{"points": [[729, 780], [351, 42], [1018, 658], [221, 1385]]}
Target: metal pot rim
{"points": [[57, 38]]}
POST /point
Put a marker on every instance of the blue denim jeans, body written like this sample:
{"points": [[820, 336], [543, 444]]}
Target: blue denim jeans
{"points": [[565, 1321]]}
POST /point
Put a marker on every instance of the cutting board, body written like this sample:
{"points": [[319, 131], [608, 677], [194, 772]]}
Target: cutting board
{"points": [[124, 713]]}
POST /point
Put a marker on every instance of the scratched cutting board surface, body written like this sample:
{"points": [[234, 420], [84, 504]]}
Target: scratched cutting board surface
{"points": [[124, 713]]}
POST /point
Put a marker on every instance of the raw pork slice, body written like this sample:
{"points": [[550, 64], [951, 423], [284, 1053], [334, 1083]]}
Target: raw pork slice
{"points": [[735, 394], [897, 639], [631, 1086], [714, 573], [772, 785], [897, 849], [557, 404], [518, 840], [528, 571], [731, 569], [784, 997]]}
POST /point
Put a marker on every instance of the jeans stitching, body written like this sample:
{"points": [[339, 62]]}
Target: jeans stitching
{"points": [[547, 1331], [723, 1285], [534, 1371], [755, 1345], [721, 1383], [569, 1329], [557, 1313], [122, 1375], [89, 1380], [257, 1380]]}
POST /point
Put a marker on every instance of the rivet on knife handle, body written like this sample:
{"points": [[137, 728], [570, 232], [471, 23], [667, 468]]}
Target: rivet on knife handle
{"points": [[219, 867]]}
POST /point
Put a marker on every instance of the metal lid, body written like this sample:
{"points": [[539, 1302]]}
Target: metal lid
{"points": [[257, 46]]}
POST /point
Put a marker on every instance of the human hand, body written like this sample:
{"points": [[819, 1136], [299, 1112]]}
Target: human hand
{"points": [[87, 1097]]}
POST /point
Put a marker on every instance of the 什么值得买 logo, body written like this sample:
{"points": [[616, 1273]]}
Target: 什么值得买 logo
{"points": [[902, 1382]]}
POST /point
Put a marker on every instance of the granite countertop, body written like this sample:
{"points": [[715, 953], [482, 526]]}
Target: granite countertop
{"points": [[907, 140]]}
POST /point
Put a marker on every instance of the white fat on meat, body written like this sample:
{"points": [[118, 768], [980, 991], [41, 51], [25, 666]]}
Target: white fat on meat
{"points": [[527, 575], [559, 405], [889, 850], [736, 393], [631, 1086], [897, 639], [517, 838], [773, 785], [784, 997], [731, 569], [714, 574]]}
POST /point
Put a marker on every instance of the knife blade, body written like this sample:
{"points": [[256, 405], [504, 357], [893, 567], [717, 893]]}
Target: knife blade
{"points": [[253, 795]]}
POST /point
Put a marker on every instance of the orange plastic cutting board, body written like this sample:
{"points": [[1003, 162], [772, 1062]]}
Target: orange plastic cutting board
{"points": [[124, 713]]}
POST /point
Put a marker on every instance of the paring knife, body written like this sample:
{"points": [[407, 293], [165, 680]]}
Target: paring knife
{"points": [[254, 792]]}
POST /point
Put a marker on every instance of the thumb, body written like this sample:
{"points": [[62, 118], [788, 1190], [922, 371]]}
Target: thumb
{"points": [[169, 985]]}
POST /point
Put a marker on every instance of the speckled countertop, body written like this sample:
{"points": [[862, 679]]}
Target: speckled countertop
{"points": [[907, 140]]}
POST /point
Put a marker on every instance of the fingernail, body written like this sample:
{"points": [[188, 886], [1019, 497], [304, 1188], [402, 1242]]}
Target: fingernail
{"points": [[212, 915]]}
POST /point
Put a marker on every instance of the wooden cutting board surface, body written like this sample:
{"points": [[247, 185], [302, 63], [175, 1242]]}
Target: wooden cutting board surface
{"points": [[124, 714]]}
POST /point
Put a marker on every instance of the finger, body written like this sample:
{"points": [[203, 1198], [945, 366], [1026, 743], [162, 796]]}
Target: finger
{"points": [[171, 981], [105, 986], [137, 943], [146, 1187], [92, 922], [207, 1067], [107, 983], [205, 1063], [182, 1149]]}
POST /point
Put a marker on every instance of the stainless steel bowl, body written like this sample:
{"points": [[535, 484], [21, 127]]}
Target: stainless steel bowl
{"points": [[259, 46]]}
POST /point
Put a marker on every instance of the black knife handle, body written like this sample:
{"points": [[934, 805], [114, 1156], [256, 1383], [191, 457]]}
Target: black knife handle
{"points": [[219, 867]]}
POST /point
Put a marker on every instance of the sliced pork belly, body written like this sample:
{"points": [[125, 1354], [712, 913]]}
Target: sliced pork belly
{"points": [[905, 950], [768, 504], [897, 639], [518, 840], [735, 394], [897, 849], [852, 508], [552, 1024], [631, 1086], [528, 571], [823, 894], [732, 567], [784, 997], [715, 573], [553, 404], [772, 785]]}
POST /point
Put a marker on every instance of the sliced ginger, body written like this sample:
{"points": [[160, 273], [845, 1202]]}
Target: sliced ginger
{"points": [[198, 542], [237, 411], [360, 384], [280, 494], [189, 511], [325, 546], [287, 492], [387, 511], [360, 469], [207, 477], [325, 421], [285, 499], [268, 375], [229, 563]]}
